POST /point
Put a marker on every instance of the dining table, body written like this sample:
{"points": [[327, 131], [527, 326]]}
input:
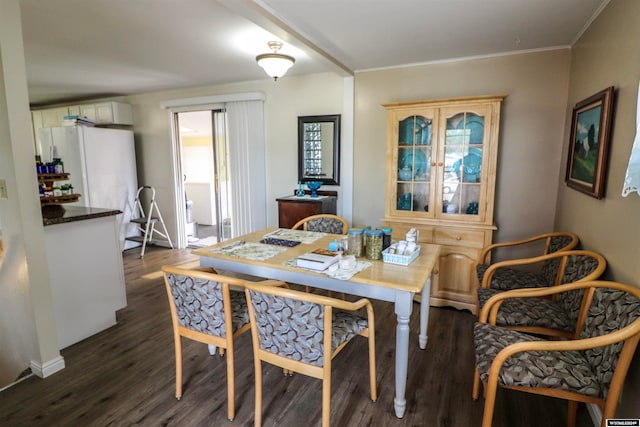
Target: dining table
{"points": [[271, 254]]}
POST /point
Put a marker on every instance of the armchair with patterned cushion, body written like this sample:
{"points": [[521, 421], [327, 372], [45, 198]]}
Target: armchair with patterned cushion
{"points": [[590, 368], [511, 274], [302, 333], [541, 315], [325, 223]]}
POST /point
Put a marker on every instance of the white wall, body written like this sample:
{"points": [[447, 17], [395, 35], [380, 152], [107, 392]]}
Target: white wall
{"points": [[286, 99], [27, 321], [608, 54], [531, 130]]}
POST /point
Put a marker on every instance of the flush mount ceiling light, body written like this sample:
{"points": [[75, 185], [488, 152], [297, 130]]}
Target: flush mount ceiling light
{"points": [[275, 64]]}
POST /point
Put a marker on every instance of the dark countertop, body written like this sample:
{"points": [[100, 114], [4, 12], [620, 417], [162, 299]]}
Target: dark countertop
{"points": [[59, 214]]}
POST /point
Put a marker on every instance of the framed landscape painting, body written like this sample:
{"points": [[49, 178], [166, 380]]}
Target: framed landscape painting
{"points": [[589, 144]]}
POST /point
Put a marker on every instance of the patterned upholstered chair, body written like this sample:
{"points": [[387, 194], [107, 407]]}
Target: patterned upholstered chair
{"points": [[553, 317], [510, 275], [302, 333], [589, 369], [204, 309], [326, 223]]}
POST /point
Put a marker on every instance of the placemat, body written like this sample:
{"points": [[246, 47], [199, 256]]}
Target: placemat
{"points": [[279, 242], [297, 235], [252, 251]]}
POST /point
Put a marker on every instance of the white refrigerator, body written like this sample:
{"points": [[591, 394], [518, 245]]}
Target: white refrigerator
{"points": [[102, 167]]}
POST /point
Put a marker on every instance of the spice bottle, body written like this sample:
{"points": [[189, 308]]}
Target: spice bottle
{"points": [[354, 236], [374, 244], [386, 238], [58, 165]]}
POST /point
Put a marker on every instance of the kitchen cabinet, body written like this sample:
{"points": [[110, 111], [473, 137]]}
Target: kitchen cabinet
{"points": [[441, 172], [52, 117], [113, 113], [292, 209], [85, 270], [102, 114]]}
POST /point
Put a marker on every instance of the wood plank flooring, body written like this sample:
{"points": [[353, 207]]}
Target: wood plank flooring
{"points": [[125, 376]]}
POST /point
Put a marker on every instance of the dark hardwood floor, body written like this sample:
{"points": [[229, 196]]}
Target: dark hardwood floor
{"points": [[125, 376]]}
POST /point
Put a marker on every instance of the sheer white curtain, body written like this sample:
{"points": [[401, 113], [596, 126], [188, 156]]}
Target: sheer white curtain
{"points": [[632, 177], [245, 121]]}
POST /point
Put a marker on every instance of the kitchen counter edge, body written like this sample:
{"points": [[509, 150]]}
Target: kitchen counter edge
{"points": [[58, 214]]}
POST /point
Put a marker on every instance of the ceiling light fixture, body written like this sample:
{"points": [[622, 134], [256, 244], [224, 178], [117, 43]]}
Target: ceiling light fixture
{"points": [[275, 64]]}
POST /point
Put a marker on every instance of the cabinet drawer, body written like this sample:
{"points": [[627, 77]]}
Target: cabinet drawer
{"points": [[458, 237]]}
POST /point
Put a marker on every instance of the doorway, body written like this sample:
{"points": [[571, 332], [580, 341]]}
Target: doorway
{"points": [[204, 166]]}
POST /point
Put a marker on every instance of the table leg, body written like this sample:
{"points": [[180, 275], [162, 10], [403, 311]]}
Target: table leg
{"points": [[403, 307], [424, 314]]}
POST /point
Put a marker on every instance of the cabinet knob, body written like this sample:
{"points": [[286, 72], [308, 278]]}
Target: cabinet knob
{"points": [[439, 163], [433, 164], [458, 238]]}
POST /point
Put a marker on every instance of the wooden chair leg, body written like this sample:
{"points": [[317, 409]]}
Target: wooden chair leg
{"points": [[326, 400], [372, 366], [257, 416], [231, 407], [571, 415], [490, 402], [178, 350], [476, 384]]}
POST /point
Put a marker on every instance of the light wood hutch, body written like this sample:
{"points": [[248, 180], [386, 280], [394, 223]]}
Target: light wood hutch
{"points": [[441, 173]]}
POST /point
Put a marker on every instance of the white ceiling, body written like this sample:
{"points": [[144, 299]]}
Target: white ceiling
{"points": [[82, 49]]}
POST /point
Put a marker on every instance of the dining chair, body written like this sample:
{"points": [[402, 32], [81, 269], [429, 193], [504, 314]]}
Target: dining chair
{"points": [[204, 308], [302, 332], [325, 223], [552, 317], [589, 369], [511, 274]]}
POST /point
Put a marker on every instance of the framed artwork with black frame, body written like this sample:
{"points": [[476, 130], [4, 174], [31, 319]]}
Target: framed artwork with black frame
{"points": [[589, 143]]}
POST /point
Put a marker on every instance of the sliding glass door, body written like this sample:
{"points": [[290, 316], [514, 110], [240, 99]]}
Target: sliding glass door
{"points": [[206, 178]]}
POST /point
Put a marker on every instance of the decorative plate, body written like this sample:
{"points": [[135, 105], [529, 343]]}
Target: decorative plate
{"points": [[404, 202], [476, 125], [472, 164], [419, 135], [419, 165]]}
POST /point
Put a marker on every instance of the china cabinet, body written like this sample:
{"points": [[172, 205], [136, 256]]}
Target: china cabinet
{"points": [[441, 172]]}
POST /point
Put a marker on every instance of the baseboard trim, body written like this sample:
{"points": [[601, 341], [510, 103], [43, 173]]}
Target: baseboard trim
{"points": [[595, 413], [50, 367], [16, 382]]}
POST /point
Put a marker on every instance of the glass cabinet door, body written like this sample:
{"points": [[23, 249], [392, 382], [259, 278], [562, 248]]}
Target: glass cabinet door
{"points": [[462, 156], [414, 152]]}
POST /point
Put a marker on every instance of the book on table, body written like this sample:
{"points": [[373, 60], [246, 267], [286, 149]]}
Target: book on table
{"points": [[318, 259]]}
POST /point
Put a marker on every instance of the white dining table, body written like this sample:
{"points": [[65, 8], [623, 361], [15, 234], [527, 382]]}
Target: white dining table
{"points": [[381, 280]]}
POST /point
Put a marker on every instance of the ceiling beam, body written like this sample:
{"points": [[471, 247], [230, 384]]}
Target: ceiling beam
{"points": [[258, 13]]}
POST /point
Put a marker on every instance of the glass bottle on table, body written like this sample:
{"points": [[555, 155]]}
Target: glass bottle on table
{"points": [[355, 244], [374, 244]]}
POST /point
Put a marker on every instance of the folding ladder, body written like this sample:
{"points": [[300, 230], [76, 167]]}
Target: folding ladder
{"points": [[147, 221]]}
